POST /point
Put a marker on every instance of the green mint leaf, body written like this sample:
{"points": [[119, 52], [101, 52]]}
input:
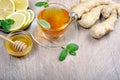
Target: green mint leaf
{"points": [[72, 47], [5, 26], [9, 21], [40, 4], [63, 54], [47, 5], [72, 53], [44, 24], [0, 23]]}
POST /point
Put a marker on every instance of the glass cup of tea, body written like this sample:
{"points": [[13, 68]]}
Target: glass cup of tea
{"points": [[58, 17]]}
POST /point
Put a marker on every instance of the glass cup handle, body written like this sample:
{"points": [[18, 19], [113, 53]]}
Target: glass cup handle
{"points": [[74, 17]]}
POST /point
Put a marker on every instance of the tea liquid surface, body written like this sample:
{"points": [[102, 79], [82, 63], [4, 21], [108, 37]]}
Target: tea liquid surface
{"points": [[57, 17]]}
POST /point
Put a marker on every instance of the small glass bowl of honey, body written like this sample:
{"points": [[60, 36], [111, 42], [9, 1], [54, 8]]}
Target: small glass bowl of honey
{"points": [[23, 36]]}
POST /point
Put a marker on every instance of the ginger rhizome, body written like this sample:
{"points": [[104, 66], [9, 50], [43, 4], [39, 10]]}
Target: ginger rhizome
{"points": [[101, 29], [90, 18], [86, 6], [108, 9], [83, 1], [89, 12]]}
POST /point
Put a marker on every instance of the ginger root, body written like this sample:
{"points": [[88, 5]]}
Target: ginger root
{"points": [[118, 11], [82, 1], [88, 19], [87, 6], [89, 11], [108, 9], [85, 0], [100, 29]]}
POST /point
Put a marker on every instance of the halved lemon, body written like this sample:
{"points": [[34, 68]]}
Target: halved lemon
{"points": [[6, 8], [27, 14], [21, 4], [19, 19]]}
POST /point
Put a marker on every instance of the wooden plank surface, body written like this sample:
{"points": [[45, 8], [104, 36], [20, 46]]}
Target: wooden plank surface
{"points": [[96, 59]]}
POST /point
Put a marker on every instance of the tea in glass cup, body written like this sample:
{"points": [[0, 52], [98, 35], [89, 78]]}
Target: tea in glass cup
{"points": [[59, 27], [57, 16]]}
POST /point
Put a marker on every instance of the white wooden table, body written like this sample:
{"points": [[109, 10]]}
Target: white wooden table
{"points": [[95, 60]]}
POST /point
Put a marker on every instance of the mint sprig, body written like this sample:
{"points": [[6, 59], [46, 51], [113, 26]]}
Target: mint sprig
{"points": [[63, 54], [42, 4], [5, 24], [9, 21], [70, 48]]}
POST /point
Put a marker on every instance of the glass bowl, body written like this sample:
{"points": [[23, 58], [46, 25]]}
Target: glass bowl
{"points": [[23, 36]]}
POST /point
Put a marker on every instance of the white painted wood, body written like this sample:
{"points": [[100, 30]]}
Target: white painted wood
{"points": [[96, 59]]}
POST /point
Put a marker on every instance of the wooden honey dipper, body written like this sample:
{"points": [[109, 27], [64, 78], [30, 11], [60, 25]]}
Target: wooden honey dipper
{"points": [[18, 45]]}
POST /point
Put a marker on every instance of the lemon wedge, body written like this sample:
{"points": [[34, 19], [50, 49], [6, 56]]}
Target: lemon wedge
{"points": [[20, 4], [19, 19], [6, 8]]}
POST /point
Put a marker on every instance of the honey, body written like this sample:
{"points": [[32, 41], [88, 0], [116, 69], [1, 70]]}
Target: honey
{"points": [[58, 19], [25, 39]]}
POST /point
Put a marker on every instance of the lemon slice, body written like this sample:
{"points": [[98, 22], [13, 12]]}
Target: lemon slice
{"points": [[19, 19], [21, 4], [27, 14], [6, 8], [1, 19], [32, 15]]}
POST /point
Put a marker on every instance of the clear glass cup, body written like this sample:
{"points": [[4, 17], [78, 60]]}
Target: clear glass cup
{"points": [[62, 31], [23, 36]]}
